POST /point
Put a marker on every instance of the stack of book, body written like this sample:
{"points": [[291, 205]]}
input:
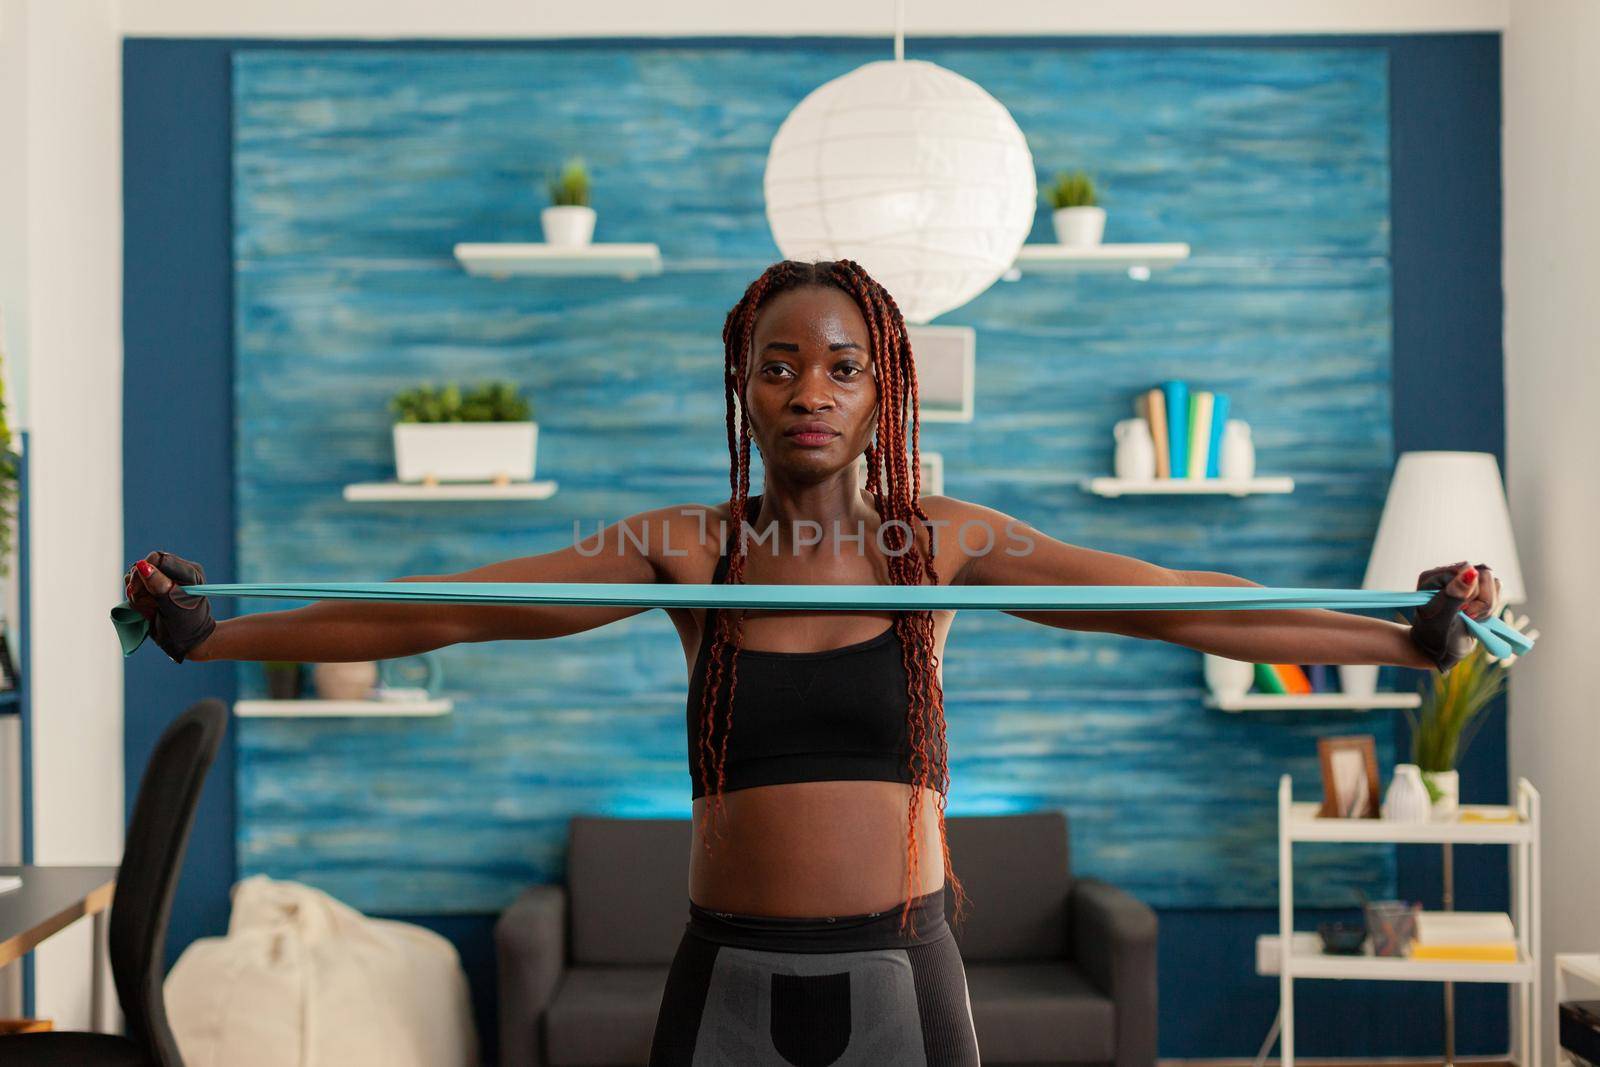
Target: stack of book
{"points": [[1296, 678], [1465, 936], [1187, 428]]}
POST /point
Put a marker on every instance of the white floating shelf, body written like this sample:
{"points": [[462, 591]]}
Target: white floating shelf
{"points": [[1307, 960], [1313, 701], [1138, 260], [510, 259], [441, 491], [1305, 825], [1187, 486], [932, 472], [341, 709]]}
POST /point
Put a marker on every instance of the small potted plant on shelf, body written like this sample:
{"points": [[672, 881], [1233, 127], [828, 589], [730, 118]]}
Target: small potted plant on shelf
{"points": [[283, 680], [1452, 713], [1079, 220], [569, 220], [485, 434]]}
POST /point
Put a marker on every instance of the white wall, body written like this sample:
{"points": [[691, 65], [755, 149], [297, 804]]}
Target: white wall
{"points": [[61, 283], [1552, 226], [527, 18]]}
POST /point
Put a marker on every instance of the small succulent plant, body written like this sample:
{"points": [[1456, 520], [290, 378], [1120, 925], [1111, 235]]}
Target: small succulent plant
{"points": [[1074, 189], [489, 402], [570, 187]]}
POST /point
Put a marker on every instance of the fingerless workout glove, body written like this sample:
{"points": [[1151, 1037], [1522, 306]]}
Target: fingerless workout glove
{"points": [[177, 621], [1438, 629]]}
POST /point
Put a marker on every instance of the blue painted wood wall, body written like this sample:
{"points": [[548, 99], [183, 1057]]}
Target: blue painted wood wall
{"points": [[1447, 393], [355, 172]]}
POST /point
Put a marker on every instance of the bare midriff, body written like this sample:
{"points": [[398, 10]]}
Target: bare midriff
{"points": [[813, 849]]}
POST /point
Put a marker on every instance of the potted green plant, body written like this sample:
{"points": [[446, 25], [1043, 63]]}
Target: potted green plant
{"points": [[283, 679], [445, 434], [1079, 219], [569, 220], [1452, 713]]}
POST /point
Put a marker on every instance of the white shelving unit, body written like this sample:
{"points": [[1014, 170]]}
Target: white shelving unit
{"points": [[445, 491], [1186, 486], [1137, 259], [1299, 823], [341, 709], [513, 259], [1312, 701]]}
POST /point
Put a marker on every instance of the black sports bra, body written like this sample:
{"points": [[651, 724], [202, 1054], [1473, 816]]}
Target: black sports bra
{"points": [[835, 714]]}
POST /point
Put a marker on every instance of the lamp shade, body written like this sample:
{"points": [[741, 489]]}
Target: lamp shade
{"points": [[911, 170], [1444, 507]]}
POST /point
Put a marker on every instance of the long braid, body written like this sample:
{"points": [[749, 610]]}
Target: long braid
{"points": [[895, 481]]}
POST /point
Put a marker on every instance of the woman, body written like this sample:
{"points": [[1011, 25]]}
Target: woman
{"points": [[817, 921]]}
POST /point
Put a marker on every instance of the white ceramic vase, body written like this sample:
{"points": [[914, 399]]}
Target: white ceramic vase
{"points": [[568, 225], [1228, 678], [465, 451], [1448, 785], [345, 681], [1238, 460], [1079, 227], [1136, 450], [1358, 679], [1407, 799]]}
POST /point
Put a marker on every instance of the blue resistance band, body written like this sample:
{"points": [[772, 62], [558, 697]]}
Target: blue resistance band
{"points": [[1496, 635]]}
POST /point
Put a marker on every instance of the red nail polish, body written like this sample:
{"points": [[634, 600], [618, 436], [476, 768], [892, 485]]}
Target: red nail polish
{"points": [[1470, 574], [144, 568]]}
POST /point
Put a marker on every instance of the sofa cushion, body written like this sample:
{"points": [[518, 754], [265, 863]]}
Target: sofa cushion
{"points": [[1015, 870], [1039, 1013], [628, 888], [604, 1015]]}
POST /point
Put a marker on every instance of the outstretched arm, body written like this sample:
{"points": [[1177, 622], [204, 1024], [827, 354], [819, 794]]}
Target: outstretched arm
{"points": [[333, 631], [1024, 555]]}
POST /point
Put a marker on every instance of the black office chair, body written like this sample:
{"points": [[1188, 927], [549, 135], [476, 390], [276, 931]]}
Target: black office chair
{"points": [[141, 906]]}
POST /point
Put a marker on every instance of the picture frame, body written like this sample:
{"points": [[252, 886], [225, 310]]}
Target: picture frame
{"points": [[1349, 776]]}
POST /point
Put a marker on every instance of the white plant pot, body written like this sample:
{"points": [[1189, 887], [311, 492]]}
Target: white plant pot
{"points": [[465, 451], [1358, 679], [345, 681], [1228, 678], [568, 225], [1448, 785], [1079, 227]]}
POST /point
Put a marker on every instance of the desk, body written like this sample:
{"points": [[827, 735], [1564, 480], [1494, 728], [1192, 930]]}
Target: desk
{"points": [[50, 900]]}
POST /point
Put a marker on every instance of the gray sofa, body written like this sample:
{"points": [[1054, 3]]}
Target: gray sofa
{"points": [[1060, 969]]}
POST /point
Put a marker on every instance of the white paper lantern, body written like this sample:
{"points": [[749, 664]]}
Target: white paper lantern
{"points": [[911, 170]]}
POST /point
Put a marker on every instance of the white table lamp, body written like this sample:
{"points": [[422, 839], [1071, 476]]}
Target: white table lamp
{"points": [[1443, 507]]}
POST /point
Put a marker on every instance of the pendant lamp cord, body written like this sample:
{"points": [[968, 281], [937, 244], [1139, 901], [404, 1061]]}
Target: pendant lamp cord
{"points": [[899, 30]]}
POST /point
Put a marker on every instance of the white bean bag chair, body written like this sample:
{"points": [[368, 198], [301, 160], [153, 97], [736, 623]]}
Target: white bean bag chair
{"points": [[302, 980]]}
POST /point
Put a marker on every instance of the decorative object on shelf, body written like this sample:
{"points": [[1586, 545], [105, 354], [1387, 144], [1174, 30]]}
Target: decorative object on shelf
{"points": [[910, 169], [1226, 678], [1391, 924], [1135, 458], [345, 681], [284, 680], [421, 672], [1079, 220], [1454, 708], [1342, 938], [947, 371], [443, 435], [1238, 451], [569, 220], [1286, 678], [1407, 798], [1358, 679], [1349, 776]]}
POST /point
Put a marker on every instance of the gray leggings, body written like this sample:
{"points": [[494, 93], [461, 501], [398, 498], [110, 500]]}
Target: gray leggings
{"points": [[770, 991]]}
